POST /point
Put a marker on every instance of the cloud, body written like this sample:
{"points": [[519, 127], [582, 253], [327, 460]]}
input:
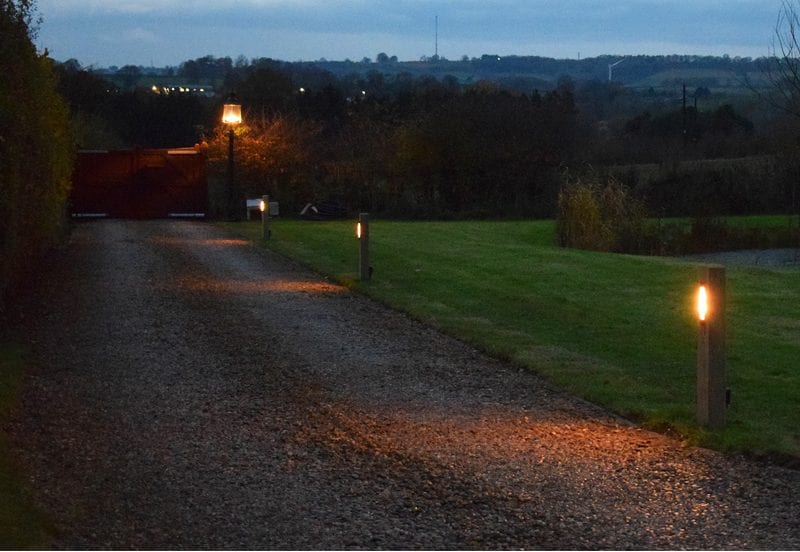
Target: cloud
{"points": [[134, 35], [60, 8], [74, 7]]}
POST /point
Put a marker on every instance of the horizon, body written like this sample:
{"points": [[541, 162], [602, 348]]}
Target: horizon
{"points": [[429, 60]]}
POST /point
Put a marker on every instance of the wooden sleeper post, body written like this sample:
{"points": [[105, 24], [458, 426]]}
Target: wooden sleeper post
{"points": [[265, 232], [711, 378], [362, 232]]}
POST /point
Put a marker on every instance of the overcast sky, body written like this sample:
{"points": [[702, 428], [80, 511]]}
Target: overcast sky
{"points": [[166, 32]]}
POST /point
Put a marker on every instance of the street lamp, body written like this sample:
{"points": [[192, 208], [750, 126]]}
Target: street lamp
{"points": [[232, 117]]}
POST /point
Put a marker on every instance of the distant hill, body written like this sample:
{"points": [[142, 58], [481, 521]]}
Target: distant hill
{"points": [[659, 74], [642, 72]]}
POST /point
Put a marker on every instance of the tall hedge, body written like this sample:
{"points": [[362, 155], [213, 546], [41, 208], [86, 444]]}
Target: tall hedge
{"points": [[36, 147]]}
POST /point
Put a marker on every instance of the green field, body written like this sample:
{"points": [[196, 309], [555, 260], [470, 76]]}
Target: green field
{"points": [[616, 329]]}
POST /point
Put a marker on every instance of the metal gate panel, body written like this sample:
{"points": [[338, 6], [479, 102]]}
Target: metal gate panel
{"points": [[140, 183]]}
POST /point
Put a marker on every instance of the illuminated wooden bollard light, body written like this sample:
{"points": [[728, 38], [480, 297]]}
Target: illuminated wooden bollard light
{"points": [[264, 207], [712, 395], [362, 233]]}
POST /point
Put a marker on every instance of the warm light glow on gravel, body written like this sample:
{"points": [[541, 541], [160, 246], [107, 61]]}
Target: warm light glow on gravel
{"points": [[183, 242], [215, 285]]}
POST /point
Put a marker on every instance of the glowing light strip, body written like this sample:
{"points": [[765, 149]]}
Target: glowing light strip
{"points": [[702, 303]]}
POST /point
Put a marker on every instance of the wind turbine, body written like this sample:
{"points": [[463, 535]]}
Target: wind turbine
{"points": [[611, 66]]}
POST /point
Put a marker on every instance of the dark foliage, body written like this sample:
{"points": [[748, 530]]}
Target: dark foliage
{"points": [[35, 147]]}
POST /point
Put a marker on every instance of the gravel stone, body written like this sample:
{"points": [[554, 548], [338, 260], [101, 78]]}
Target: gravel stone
{"points": [[190, 391]]}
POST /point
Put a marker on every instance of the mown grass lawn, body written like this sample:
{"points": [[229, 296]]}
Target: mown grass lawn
{"points": [[618, 330]]}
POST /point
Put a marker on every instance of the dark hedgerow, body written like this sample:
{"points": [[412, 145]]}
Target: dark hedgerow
{"points": [[598, 213], [36, 147]]}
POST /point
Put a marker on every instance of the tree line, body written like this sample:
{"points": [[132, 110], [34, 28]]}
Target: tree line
{"points": [[419, 146]]}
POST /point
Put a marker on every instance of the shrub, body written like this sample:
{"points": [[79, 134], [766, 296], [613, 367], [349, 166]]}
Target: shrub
{"points": [[579, 223], [600, 216], [273, 155]]}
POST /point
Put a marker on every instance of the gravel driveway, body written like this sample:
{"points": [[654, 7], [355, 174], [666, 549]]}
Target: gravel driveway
{"points": [[193, 392]]}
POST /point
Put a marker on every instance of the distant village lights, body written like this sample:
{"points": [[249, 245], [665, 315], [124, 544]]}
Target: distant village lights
{"points": [[206, 90]]}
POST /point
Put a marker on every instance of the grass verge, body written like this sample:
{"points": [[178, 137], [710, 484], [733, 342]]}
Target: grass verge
{"points": [[618, 330], [22, 527]]}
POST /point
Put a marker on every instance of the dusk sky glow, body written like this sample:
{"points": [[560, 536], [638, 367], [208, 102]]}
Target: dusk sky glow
{"points": [[166, 32]]}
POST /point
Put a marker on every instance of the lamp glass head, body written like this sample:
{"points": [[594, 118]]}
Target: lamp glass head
{"points": [[232, 111]]}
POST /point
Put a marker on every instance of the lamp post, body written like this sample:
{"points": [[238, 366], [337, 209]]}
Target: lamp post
{"points": [[232, 117], [712, 395]]}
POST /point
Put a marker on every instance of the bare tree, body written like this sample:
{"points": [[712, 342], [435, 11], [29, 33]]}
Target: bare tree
{"points": [[783, 72]]}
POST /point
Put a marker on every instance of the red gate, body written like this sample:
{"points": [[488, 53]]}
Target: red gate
{"points": [[140, 183]]}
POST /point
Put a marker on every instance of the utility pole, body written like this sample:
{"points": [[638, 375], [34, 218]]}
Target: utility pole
{"points": [[683, 116], [436, 46]]}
